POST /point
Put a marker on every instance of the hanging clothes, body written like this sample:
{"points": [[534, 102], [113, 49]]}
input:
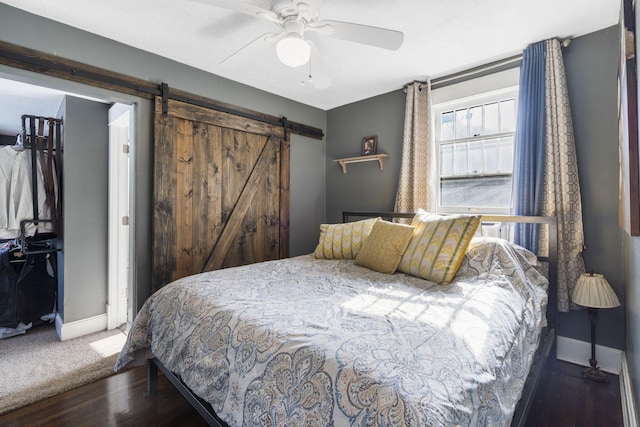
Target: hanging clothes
{"points": [[16, 202], [37, 289], [28, 290], [8, 291]]}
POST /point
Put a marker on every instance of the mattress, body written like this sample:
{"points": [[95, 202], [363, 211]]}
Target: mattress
{"points": [[306, 341]]}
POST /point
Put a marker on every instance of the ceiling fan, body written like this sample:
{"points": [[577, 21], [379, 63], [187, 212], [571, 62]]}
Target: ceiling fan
{"points": [[295, 18]]}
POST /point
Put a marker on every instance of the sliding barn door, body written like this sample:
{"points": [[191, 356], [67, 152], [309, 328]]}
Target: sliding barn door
{"points": [[221, 191]]}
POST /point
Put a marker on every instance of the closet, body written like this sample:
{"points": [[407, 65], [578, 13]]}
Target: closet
{"points": [[85, 302], [30, 224]]}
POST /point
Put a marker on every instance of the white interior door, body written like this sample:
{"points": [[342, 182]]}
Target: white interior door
{"points": [[120, 140]]}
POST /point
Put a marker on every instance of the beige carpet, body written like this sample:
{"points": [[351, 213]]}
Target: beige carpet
{"points": [[37, 365]]}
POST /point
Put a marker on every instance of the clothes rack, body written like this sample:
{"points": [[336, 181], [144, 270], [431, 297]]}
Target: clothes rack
{"points": [[34, 138], [28, 265]]}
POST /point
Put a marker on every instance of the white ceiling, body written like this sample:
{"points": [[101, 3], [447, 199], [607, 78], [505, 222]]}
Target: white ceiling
{"points": [[440, 37], [18, 98]]}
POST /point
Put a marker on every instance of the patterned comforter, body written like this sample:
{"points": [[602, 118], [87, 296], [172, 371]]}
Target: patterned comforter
{"points": [[316, 342]]}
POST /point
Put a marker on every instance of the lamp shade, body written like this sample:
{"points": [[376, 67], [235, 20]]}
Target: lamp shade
{"points": [[293, 50], [593, 290]]}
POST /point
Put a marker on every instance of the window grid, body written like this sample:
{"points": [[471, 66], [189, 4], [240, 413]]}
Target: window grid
{"points": [[474, 147]]}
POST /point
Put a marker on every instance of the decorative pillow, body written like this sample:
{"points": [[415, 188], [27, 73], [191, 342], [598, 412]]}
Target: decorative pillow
{"points": [[343, 241], [438, 245], [382, 249]]}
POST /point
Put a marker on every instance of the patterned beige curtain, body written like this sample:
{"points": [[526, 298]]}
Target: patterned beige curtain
{"points": [[561, 193], [416, 177]]}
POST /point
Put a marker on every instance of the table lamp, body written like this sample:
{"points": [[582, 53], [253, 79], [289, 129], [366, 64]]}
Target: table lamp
{"points": [[594, 292]]}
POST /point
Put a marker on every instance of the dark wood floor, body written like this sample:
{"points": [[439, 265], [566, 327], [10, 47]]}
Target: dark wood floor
{"points": [[563, 399]]}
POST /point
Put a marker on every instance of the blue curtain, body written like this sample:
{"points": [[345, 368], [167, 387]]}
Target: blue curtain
{"points": [[528, 166]]}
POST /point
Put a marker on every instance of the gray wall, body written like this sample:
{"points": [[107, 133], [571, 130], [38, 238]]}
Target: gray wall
{"points": [[85, 204], [591, 63], [364, 187], [307, 203], [591, 66], [307, 166]]}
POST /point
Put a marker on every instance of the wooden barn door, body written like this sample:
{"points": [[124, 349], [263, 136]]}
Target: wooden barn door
{"points": [[221, 195]]}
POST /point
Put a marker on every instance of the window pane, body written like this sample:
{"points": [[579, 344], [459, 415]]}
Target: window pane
{"points": [[446, 160], [475, 147], [476, 192], [462, 124], [507, 115], [491, 156], [475, 157], [446, 126], [475, 120], [506, 154], [460, 159], [491, 122]]}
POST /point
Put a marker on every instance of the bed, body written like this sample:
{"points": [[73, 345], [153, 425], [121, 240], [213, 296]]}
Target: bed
{"points": [[320, 341]]}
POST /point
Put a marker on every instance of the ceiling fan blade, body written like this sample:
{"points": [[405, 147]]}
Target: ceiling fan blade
{"points": [[365, 34], [317, 73], [247, 9], [249, 50]]}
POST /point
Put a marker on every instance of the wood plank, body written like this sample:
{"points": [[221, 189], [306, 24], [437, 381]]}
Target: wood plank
{"points": [[259, 239], [164, 230], [53, 65], [114, 401], [239, 160], [236, 217], [184, 198], [293, 127], [205, 115], [207, 200], [246, 240], [285, 192], [564, 398]]}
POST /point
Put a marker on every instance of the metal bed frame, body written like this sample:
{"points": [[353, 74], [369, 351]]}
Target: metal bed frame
{"points": [[546, 346]]}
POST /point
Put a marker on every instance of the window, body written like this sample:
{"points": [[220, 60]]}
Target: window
{"points": [[474, 151]]}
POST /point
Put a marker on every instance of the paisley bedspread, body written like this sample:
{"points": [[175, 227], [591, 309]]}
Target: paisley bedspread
{"points": [[316, 342]]}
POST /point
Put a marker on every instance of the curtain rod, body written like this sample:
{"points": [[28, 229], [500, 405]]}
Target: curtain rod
{"points": [[478, 71], [471, 73], [482, 70]]}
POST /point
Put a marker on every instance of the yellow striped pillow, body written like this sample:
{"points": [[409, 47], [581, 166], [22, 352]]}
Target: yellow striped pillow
{"points": [[438, 245], [343, 241]]}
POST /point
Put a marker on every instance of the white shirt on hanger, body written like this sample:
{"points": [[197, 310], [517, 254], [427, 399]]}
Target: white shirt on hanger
{"points": [[16, 201]]}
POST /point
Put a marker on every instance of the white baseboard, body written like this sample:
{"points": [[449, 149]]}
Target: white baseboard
{"points": [[67, 331], [629, 416], [579, 352]]}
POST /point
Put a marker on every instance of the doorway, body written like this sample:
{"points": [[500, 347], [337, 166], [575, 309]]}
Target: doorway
{"points": [[117, 306]]}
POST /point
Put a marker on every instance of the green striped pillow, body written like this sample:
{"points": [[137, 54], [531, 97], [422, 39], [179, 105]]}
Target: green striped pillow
{"points": [[343, 241], [438, 245]]}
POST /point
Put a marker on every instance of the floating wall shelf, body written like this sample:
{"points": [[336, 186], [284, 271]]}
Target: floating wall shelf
{"points": [[379, 157]]}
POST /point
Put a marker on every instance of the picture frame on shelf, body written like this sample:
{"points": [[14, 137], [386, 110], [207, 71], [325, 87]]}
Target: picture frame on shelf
{"points": [[369, 145]]}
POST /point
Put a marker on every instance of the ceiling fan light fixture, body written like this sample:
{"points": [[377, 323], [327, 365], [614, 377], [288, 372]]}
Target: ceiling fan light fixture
{"points": [[293, 50]]}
